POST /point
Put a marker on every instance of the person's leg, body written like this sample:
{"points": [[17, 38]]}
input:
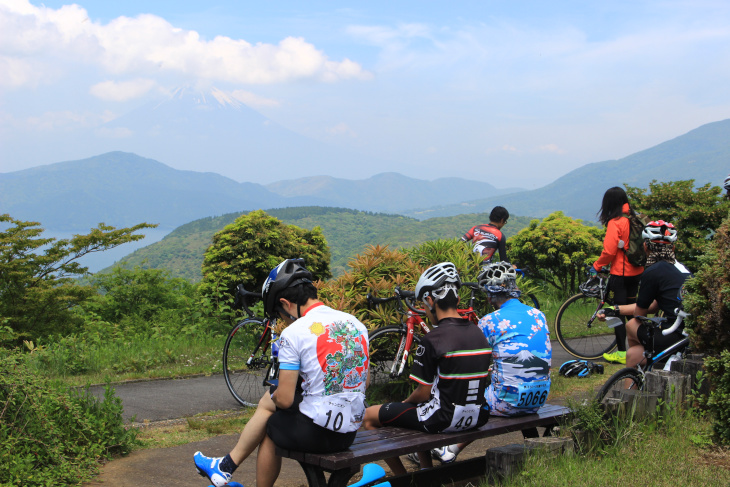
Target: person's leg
{"points": [[268, 464], [371, 420], [220, 469], [254, 431], [635, 354], [617, 286]]}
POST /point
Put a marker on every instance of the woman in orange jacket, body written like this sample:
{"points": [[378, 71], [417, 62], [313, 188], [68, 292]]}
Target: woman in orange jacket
{"points": [[625, 277]]}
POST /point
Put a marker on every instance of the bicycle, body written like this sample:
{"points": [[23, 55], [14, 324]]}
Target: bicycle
{"points": [[633, 378], [247, 363], [575, 323]]}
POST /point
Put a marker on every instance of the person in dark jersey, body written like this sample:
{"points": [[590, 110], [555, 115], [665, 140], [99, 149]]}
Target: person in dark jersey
{"points": [[488, 238], [660, 285], [450, 368]]}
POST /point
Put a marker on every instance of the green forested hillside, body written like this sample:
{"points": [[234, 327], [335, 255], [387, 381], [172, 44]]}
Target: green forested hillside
{"points": [[348, 232]]}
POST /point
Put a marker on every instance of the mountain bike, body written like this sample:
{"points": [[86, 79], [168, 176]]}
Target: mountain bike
{"points": [[633, 378], [576, 327], [248, 364]]}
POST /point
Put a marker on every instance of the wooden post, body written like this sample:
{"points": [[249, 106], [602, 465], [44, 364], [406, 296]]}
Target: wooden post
{"points": [[691, 367], [552, 446], [503, 461], [672, 387], [640, 404]]}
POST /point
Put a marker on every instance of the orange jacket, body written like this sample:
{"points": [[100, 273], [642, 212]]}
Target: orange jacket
{"points": [[617, 229]]}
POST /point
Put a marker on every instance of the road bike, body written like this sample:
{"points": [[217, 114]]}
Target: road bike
{"points": [[633, 378], [248, 362], [576, 327]]}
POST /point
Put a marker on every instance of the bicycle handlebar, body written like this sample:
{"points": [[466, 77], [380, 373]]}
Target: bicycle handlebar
{"points": [[681, 315], [240, 299]]}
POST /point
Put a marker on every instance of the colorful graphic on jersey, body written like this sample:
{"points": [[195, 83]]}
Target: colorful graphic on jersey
{"points": [[342, 354], [522, 354]]}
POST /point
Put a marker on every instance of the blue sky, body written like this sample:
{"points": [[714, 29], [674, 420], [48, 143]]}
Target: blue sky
{"points": [[513, 93]]}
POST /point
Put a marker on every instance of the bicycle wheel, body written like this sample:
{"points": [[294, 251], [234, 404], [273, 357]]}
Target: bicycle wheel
{"points": [[624, 379], [246, 360], [386, 349], [574, 334]]}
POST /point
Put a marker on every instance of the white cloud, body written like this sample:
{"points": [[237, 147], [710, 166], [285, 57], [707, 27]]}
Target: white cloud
{"points": [[64, 120], [148, 45], [122, 90], [551, 148], [114, 133]]}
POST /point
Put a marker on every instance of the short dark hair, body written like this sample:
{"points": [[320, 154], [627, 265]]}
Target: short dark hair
{"points": [[299, 294], [498, 214], [450, 301]]}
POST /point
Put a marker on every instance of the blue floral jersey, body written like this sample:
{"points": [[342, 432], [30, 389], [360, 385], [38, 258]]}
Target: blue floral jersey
{"points": [[522, 354]]}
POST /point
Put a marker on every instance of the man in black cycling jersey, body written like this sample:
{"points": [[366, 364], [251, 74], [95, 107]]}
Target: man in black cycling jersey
{"points": [[660, 285], [450, 366], [488, 238], [323, 365]]}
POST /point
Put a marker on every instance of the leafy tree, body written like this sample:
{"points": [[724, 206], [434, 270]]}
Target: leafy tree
{"points": [[708, 299], [696, 212], [246, 250], [556, 249], [37, 275]]}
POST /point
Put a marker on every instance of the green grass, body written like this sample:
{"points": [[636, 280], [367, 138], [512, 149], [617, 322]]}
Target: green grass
{"points": [[671, 452], [77, 362], [197, 428]]}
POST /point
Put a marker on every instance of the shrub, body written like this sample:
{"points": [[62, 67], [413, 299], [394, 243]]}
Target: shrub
{"points": [[718, 369], [708, 299], [51, 435]]}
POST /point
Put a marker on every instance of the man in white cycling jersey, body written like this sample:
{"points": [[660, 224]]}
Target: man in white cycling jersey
{"points": [[319, 402]]}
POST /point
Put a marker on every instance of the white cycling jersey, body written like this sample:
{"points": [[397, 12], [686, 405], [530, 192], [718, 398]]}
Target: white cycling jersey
{"points": [[329, 348]]}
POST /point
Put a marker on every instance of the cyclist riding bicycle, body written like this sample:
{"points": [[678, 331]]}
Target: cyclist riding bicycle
{"points": [[488, 238], [450, 366], [319, 402], [660, 285], [521, 351]]}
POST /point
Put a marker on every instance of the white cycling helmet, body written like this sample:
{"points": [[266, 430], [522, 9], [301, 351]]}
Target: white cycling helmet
{"points": [[726, 183], [437, 280], [497, 274], [660, 231]]}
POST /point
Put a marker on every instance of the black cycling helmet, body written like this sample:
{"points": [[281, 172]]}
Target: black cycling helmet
{"points": [[592, 287], [288, 274], [726, 183]]}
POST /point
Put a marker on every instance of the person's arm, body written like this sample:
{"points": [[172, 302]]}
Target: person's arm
{"points": [[503, 248], [468, 235], [421, 394], [610, 244], [283, 397]]}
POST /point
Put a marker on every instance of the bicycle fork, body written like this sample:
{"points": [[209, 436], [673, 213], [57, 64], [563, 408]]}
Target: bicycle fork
{"points": [[404, 347]]}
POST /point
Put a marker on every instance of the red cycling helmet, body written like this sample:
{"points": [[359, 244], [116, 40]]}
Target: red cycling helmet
{"points": [[660, 231]]}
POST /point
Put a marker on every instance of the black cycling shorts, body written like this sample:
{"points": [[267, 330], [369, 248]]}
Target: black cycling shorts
{"points": [[403, 414], [292, 430], [659, 342]]}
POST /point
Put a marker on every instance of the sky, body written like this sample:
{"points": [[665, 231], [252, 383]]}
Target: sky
{"points": [[512, 93]]}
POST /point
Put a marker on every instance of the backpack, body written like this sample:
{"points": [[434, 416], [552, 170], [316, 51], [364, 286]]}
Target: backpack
{"points": [[634, 251]]}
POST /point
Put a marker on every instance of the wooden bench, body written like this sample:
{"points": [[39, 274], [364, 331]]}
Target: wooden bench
{"points": [[382, 443]]}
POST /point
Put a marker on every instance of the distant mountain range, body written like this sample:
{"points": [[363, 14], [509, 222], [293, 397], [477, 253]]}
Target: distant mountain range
{"points": [[123, 189], [702, 154]]}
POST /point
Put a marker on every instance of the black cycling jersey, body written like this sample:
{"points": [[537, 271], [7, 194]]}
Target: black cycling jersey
{"points": [[455, 359], [661, 281]]}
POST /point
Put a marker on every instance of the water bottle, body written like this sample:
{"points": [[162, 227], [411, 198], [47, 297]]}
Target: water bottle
{"points": [[274, 346]]}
